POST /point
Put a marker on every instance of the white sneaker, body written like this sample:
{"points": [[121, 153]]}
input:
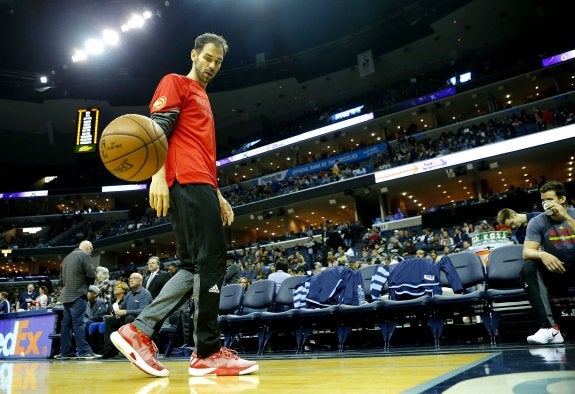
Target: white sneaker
{"points": [[545, 336]]}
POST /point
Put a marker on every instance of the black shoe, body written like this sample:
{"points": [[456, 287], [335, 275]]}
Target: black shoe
{"points": [[61, 357], [89, 356], [108, 355]]}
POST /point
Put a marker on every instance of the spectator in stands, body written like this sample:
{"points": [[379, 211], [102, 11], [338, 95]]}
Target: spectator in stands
{"points": [[408, 248], [445, 239], [459, 236], [335, 170], [365, 258], [233, 273], [435, 243], [402, 236], [156, 278], [281, 273], [426, 237], [549, 254], [4, 303], [340, 256], [516, 221], [47, 283], [484, 227], [76, 272], [394, 246], [433, 255], [311, 248], [173, 268], [96, 330], [199, 212], [96, 309], [131, 306], [420, 254], [245, 282], [26, 300], [103, 282], [42, 300]]}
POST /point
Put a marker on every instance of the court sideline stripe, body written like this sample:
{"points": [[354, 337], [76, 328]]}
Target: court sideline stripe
{"points": [[442, 378]]}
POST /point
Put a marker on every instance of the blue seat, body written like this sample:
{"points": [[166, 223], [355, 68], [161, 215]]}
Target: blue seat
{"points": [[366, 275], [504, 292], [357, 315], [282, 316], [389, 312], [471, 272], [259, 298], [231, 297], [324, 315]]}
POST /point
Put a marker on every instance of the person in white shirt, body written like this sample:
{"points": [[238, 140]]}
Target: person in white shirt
{"points": [[281, 273], [42, 300]]}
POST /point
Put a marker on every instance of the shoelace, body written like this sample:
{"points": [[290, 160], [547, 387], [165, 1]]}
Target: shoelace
{"points": [[229, 353], [148, 342]]}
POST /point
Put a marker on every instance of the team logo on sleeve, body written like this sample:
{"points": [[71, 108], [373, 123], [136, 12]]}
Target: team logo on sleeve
{"points": [[159, 103]]}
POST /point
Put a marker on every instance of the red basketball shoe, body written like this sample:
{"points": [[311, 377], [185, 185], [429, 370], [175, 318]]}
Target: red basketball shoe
{"points": [[139, 349], [224, 362]]}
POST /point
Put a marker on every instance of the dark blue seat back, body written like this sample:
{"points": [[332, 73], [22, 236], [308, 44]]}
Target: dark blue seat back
{"points": [[504, 267], [366, 275], [469, 267], [231, 299], [284, 296], [260, 295]]}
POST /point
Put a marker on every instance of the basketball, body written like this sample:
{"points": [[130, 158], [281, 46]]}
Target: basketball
{"points": [[133, 147]]}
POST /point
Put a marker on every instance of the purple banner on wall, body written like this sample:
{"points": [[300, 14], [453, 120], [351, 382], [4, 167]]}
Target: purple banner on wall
{"points": [[561, 57], [26, 337], [429, 98]]}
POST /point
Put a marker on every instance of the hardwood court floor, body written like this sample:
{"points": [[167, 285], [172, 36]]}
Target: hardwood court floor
{"points": [[461, 370]]}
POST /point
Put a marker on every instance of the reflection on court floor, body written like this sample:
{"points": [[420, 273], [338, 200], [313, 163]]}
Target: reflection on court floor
{"points": [[515, 370]]}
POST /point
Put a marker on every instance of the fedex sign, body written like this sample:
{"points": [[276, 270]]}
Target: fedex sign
{"points": [[26, 337]]}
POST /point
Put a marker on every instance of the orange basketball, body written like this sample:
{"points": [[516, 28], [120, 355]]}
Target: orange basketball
{"points": [[133, 147]]}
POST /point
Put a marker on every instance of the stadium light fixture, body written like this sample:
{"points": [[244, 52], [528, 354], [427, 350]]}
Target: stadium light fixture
{"points": [[79, 56], [93, 46], [110, 37]]}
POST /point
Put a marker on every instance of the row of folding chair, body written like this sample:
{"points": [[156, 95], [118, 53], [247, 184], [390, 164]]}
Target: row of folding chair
{"points": [[261, 311]]}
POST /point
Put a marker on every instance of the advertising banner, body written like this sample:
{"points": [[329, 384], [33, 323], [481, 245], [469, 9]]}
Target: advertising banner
{"points": [[27, 336]]}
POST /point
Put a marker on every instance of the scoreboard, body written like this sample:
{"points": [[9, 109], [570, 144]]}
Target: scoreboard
{"points": [[87, 132]]}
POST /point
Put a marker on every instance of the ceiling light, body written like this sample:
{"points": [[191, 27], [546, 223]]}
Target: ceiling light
{"points": [[110, 37], [94, 46], [136, 21], [79, 56]]}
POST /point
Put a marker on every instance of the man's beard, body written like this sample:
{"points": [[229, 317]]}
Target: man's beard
{"points": [[202, 76]]}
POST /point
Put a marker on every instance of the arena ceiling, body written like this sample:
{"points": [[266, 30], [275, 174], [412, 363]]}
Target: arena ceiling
{"points": [[307, 49]]}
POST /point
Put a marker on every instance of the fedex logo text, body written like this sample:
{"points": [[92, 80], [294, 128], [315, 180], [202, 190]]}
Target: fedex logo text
{"points": [[20, 341]]}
